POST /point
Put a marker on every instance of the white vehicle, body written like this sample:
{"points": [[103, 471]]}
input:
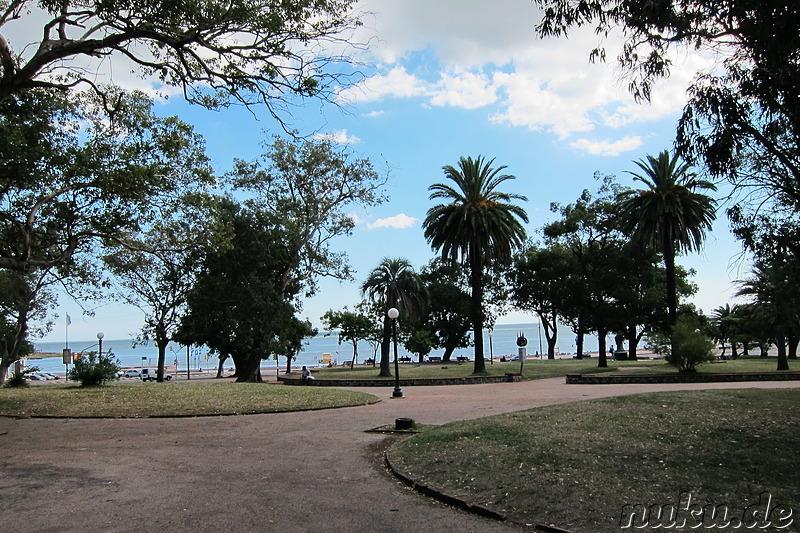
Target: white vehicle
{"points": [[131, 373], [150, 374]]}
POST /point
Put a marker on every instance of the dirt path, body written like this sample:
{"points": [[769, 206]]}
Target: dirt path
{"points": [[297, 472]]}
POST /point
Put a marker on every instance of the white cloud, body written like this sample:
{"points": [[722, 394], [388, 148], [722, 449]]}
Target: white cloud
{"points": [[396, 83], [400, 221], [473, 53], [608, 148], [464, 89], [338, 137]]}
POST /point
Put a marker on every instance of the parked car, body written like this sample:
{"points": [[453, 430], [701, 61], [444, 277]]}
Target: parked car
{"points": [[150, 374], [131, 373]]}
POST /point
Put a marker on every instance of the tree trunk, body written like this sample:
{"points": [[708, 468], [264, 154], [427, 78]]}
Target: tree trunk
{"points": [[247, 369], [780, 342], [4, 364], [355, 354], [448, 353], [161, 343], [476, 281], [220, 367], [602, 361], [793, 341], [579, 343], [633, 342], [550, 334]]}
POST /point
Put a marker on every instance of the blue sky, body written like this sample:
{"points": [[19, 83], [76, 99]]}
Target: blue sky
{"points": [[456, 78]]}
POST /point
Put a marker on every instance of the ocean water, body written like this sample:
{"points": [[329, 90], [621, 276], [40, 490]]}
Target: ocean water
{"points": [[503, 343]]}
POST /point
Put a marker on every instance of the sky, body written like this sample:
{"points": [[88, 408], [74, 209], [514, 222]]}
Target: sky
{"points": [[450, 78]]}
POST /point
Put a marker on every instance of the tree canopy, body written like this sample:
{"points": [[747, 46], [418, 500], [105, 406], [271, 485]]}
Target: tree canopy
{"points": [[216, 53], [71, 175]]}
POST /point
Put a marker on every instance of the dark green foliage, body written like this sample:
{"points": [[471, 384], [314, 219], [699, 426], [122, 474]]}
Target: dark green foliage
{"points": [[240, 304], [687, 346], [670, 214], [93, 370]]}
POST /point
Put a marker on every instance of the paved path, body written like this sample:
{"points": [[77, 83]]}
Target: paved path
{"points": [[315, 471]]}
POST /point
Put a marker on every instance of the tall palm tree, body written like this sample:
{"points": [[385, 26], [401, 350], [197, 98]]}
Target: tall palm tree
{"points": [[670, 213], [393, 283], [478, 225]]}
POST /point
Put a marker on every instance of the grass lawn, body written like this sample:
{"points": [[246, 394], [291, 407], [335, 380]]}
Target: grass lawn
{"points": [[545, 368], [577, 465], [139, 400]]}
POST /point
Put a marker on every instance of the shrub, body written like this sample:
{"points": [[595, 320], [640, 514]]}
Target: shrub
{"points": [[687, 347], [20, 379], [92, 370]]}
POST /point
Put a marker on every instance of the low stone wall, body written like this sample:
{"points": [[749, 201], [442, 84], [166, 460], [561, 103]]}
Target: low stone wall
{"points": [[421, 382], [606, 379]]}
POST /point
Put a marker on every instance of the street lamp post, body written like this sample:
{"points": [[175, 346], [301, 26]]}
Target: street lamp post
{"points": [[393, 313], [491, 351], [100, 344]]}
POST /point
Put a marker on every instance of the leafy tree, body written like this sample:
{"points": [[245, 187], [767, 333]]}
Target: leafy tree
{"points": [[215, 53], [418, 340], [537, 287], [595, 274], [671, 214], [72, 175], [447, 309], [477, 224], [291, 340], [773, 286], [239, 305], [743, 116], [393, 283], [314, 186], [353, 326], [157, 275], [25, 299]]}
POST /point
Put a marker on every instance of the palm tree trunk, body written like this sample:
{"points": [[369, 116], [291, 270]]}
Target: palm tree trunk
{"points": [[672, 293], [476, 281]]}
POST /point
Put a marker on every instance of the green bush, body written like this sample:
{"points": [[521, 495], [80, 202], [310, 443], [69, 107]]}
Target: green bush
{"points": [[92, 370], [20, 379], [687, 347]]}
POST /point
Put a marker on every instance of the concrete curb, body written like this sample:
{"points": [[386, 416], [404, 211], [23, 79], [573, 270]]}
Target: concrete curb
{"points": [[732, 377]]}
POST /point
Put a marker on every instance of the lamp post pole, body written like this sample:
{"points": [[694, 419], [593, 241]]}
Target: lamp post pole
{"points": [[491, 351], [100, 344], [393, 313]]}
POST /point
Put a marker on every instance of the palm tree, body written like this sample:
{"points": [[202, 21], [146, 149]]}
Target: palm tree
{"points": [[775, 293], [478, 225], [723, 320], [393, 283], [669, 214]]}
